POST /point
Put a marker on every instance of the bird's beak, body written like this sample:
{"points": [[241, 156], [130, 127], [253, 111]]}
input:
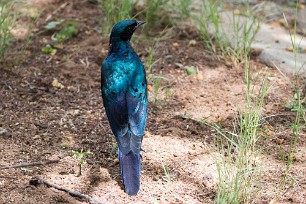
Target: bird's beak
{"points": [[139, 23]]}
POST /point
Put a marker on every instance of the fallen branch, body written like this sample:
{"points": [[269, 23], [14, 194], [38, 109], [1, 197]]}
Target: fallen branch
{"points": [[30, 164], [37, 180]]}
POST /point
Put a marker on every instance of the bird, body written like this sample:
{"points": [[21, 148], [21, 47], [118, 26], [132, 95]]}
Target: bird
{"points": [[124, 93]]}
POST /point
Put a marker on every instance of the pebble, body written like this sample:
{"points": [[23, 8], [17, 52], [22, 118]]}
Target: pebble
{"points": [[4, 132], [155, 178]]}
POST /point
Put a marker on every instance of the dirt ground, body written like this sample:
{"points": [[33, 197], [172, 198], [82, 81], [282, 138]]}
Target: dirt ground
{"points": [[46, 122]]}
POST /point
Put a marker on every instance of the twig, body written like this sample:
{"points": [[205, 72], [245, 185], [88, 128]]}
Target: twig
{"points": [[30, 164], [57, 10], [8, 177], [37, 180]]}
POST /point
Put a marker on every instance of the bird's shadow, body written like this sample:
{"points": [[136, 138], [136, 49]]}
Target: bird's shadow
{"points": [[114, 171]]}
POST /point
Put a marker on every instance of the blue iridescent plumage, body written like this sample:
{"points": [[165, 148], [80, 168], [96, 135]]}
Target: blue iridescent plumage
{"points": [[124, 92]]}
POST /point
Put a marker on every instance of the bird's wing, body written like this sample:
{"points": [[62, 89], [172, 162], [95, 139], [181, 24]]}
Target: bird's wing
{"points": [[126, 110], [114, 101], [117, 114], [137, 115]]}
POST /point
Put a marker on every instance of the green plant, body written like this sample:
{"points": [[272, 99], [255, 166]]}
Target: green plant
{"points": [[115, 11], [296, 105], [65, 33], [209, 15], [49, 50], [157, 81], [80, 155], [153, 9], [7, 21], [184, 8], [235, 44], [166, 172], [237, 164]]}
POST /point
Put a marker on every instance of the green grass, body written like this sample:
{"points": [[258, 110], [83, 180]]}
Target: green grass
{"points": [[153, 9], [166, 172], [215, 34], [297, 104], [7, 21], [238, 167], [114, 11], [184, 8], [156, 13]]}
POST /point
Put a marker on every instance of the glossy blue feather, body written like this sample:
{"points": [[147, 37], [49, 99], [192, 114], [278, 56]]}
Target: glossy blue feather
{"points": [[124, 92]]}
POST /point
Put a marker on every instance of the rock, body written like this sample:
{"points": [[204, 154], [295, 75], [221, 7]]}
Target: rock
{"points": [[156, 178], [301, 21], [273, 43], [283, 60], [4, 132], [271, 11]]}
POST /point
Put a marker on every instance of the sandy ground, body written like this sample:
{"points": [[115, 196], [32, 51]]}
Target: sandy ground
{"points": [[46, 122]]}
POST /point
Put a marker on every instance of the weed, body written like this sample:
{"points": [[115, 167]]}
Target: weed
{"points": [[295, 105], [49, 50], [236, 44], [157, 81], [153, 8], [7, 21], [81, 158], [184, 8], [166, 172], [65, 33], [115, 11], [238, 165]]}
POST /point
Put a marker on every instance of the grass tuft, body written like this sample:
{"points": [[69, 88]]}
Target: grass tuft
{"points": [[7, 21], [115, 11], [234, 45]]}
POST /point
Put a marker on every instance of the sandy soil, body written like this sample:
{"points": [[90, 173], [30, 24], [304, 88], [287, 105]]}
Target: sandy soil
{"points": [[46, 122]]}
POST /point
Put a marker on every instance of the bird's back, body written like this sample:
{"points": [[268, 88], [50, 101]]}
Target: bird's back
{"points": [[124, 91]]}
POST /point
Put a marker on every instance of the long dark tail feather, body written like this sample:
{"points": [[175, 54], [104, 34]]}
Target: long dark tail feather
{"points": [[130, 171]]}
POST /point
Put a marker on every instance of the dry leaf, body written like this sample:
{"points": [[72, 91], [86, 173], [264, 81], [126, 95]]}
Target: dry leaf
{"points": [[57, 84]]}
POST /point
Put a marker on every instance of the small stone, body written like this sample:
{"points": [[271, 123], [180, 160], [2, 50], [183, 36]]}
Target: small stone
{"points": [[290, 49], [150, 88], [71, 88], [199, 77], [156, 178], [116, 161], [4, 132], [74, 112], [279, 141], [175, 46]]}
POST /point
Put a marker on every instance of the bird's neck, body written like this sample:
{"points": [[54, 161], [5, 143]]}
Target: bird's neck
{"points": [[120, 46]]}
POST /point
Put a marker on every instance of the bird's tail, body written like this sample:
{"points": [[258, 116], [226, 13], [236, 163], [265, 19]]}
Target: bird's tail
{"points": [[130, 171]]}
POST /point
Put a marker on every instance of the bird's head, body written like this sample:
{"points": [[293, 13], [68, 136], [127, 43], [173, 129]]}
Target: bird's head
{"points": [[124, 30]]}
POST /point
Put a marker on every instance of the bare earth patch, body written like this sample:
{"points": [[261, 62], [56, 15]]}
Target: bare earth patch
{"points": [[47, 122]]}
